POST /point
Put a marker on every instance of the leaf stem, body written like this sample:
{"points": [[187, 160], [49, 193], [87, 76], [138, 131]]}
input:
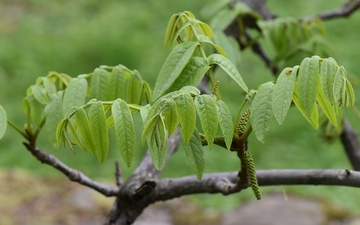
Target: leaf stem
{"points": [[18, 129]]}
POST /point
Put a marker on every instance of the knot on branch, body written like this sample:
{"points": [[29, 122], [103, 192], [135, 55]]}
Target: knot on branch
{"points": [[144, 190]]}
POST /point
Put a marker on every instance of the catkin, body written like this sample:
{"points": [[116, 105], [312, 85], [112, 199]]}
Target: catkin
{"points": [[241, 126], [250, 166]]}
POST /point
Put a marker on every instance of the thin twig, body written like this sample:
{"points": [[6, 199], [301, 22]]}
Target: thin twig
{"points": [[118, 177], [72, 174]]}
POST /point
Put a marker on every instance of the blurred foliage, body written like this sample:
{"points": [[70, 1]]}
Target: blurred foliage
{"points": [[74, 37]]}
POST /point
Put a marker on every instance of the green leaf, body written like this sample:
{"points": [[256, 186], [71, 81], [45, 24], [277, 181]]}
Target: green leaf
{"points": [[83, 125], [337, 84], [193, 91], [187, 115], [147, 92], [3, 121], [117, 84], [36, 110], [350, 95], [39, 94], [325, 105], [229, 45], [192, 74], [169, 29], [307, 84], [60, 129], [314, 116], [134, 88], [149, 126], [75, 94], [99, 84], [261, 111], [229, 68], [125, 130], [206, 39], [158, 144], [208, 114], [50, 87], [327, 74], [97, 120], [205, 29], [174, 64], [223, 18], [53, 113], [74, 135], [195, 153], [226, 122], [282, 94], [170, 115]]}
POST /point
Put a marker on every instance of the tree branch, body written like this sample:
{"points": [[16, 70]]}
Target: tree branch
{"points": [[72, 174], [349, 140], [223, 182], [345, 11]]}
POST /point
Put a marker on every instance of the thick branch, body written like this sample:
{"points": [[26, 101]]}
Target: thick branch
{"points": [[72, 174], [349, 139], [345, 11], [222, 182]]}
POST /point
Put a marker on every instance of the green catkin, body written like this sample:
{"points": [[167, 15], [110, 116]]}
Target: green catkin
{"points": [[250, 166], [215, 88], [241, 126], [218, 140]]}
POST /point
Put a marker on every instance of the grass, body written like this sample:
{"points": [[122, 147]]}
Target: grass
{"points": [[77, 37]]}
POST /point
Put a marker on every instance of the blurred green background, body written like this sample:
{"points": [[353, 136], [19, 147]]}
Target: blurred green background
{"points": [[75, 37]]}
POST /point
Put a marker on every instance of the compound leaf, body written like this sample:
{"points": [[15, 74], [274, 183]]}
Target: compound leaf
{"points": [[170, 115], [117, 84], [261, 111], [327, 75], [53, 113], [325, 105], [124, 130]]}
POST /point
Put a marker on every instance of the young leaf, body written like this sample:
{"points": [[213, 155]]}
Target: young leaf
{"points": [[337, 84], [97, 121], [75, 94], [325, 105], [157, 142], [223, 18], [3, 121], [327, 74], [117, 84], [208, 114], [206, 39], [282, 94], [169, 29], [82, 123], [39, 94], [350, 95], [134, 88], [314, 116], [229, 45], [192, 74], [149, 126], [99, 84], [50, 87], [229, 68], [187, 115], [307, 84], [53, 113], [174, 64], [36, 110], [170, 115], [60, 129], [74, 135], [261, 111], [195, 153], [225, 121], [124, 130]]}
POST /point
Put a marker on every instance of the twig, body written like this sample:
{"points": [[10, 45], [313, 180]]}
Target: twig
{"points": [[345, 11], [72, 174], [118, 178], [223, 182], [349, 140]]}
